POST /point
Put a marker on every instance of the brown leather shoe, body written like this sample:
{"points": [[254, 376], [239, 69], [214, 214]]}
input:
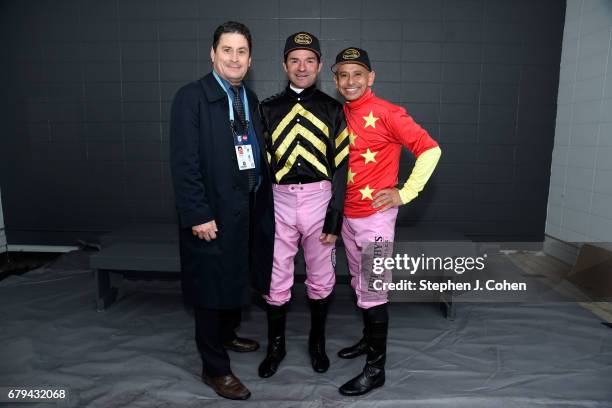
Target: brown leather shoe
{"points": [[241, 345], [227, 386]]}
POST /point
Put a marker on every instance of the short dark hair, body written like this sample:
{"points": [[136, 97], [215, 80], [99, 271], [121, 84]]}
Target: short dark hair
{"points": [[232, 27]]}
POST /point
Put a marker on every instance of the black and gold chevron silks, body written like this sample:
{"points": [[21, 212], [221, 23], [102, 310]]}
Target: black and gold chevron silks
{"points": [[287, 149]]}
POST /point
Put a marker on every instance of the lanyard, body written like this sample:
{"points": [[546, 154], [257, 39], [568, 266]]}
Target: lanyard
{"points": [[245, 101]]}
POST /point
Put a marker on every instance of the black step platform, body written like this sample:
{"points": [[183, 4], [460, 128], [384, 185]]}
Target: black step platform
{"points": [[151, 251], [136, 251]]}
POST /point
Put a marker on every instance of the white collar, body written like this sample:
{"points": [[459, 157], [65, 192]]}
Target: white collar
{"points": [[296, 90]]}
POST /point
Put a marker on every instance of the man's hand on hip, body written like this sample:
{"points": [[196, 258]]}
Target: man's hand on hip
{"points": [[387, 198], [207, 231]]}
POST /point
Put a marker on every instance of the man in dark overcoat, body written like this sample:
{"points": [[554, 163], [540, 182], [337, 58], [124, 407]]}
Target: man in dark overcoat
{"points": [[224, 202]]}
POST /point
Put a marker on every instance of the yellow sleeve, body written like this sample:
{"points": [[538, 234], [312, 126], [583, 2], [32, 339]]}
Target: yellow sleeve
{"points": [[423, 168]]}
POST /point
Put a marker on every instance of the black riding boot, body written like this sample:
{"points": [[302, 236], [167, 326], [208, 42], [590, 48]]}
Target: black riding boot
{"points": [[277, 316], [361, 347], [373, 374], [316, 339]]}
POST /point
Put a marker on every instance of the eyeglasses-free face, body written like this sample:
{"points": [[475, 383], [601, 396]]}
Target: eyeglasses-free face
{"points": [[232, 57], [353, 80]]}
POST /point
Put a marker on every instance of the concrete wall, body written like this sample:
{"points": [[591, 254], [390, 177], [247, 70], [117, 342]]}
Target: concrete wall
{"points": [[2, 234], [580, 198], [88, 85]]}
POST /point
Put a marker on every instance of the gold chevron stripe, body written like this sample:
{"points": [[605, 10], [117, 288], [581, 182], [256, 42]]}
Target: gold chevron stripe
{"points": [[306, 134], [298, 110], [300, 151], [343, 135], [341, 155], [269, 157], [315, 121], [283, 123]]}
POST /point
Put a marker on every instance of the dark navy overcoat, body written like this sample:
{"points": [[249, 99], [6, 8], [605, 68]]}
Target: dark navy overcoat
{"points": [[208, 185]]}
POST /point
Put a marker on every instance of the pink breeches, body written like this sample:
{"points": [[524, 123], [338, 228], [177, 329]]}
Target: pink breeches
{"points": [[299, 213], [362, 238]]}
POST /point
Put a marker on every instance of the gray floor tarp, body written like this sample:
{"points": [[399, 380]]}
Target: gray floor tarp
{"points": [[141, 352]]}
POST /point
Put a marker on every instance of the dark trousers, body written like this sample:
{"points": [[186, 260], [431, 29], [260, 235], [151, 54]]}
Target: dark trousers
{"points": [[215, 326], [212, 328]]}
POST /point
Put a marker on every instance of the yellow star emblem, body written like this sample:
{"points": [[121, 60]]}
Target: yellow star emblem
{"points": [[367, 193], [370, 120], [369, 156], [350, 176], [352, 138]]}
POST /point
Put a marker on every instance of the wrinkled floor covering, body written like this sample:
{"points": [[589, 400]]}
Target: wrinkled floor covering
{"points": [[141, 352]]}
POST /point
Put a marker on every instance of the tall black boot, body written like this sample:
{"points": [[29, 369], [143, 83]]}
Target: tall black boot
{"points": [[373, 374], [316, 339], [359, 348], [277, 316]]}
